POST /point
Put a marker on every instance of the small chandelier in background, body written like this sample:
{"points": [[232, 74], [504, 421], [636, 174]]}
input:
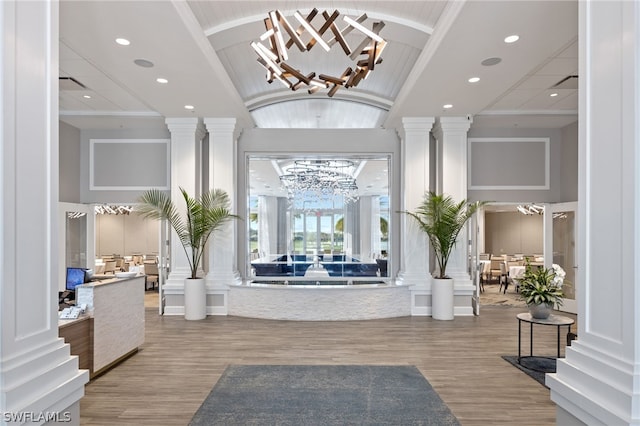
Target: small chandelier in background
{"points": [[107, 209], [530, 209], [274, 57], [75, 215]]}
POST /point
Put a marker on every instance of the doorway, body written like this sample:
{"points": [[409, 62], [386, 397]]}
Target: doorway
{"points": [[560, 247]]}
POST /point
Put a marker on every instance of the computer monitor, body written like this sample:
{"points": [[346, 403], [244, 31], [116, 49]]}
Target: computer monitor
{"points": [[75, 277]]}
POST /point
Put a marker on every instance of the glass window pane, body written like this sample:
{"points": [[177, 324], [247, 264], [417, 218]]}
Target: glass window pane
{"points": [[331, 211]]}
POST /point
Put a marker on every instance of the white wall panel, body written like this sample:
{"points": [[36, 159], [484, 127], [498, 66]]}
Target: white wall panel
{"points": [[128, 164], [509, 163]]}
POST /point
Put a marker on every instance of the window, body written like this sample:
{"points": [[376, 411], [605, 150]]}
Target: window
{"points": [[326, 212]]}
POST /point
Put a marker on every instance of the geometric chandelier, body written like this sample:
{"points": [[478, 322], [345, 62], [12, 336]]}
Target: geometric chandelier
{"points": [[113, 209], [537, 209], [530, 209], [281, 36]]}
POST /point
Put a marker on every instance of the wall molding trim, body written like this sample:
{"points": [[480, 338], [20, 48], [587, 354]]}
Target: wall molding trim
{"points": [[132, 157], [510, 174]]}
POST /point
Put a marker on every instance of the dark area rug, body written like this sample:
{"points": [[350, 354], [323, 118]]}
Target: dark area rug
{"points": [[535, 367], [323, 395]]}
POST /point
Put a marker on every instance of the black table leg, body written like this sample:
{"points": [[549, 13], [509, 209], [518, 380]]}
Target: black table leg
{"points": [[519, 338], [530, 339]]}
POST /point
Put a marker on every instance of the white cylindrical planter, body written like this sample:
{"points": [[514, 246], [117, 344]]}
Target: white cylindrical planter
{"points": [[442, 299], [195, 299]]}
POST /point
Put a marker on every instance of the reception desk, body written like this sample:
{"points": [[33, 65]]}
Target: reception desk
{"points": [[78, 334], [116, 307]]}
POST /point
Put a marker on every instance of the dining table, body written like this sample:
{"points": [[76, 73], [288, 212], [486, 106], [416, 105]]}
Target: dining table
{"points": [[516, 272]]}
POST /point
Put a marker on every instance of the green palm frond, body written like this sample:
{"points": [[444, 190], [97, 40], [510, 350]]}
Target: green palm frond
{"points": [[202, 217], [442, 219]]}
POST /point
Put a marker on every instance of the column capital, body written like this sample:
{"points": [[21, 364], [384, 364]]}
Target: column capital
{"points": [[220, 124], [182, 123], [416, 126], [186, 126], [452, 125], [418, 123]]}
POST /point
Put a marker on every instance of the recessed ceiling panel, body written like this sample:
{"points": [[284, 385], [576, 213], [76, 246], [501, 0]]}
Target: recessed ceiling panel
{"points": [[319, 113]]}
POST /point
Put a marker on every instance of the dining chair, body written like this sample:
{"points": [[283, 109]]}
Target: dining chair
{"points": [[152, 275], [504, 277], [486, 271], [110, 267], [495, 270], [119, 264], [480, 276]]}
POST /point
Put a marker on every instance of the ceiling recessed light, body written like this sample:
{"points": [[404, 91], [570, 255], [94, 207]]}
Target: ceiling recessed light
{"points": [[189, 107], [474, 79], [512, 38], [491, 61], [162, 80], [447, 106], [143, 63], [86, 97], [123, 41], [553, 95]]}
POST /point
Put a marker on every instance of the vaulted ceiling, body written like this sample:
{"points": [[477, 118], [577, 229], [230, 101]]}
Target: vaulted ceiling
{"points": [[202, 48]]}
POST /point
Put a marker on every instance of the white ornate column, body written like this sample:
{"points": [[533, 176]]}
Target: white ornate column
{"points": [[267, 225], [366, 226], [451, 134], [598, 383], [186, 137], [222, 246], [414, 259], [39, 379]]}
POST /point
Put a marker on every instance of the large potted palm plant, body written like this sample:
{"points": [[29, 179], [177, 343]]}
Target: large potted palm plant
{"points": [[442, 219], [202, 217]]}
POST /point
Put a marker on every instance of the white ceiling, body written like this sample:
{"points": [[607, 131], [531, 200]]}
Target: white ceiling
{"points": [[202, 48]]}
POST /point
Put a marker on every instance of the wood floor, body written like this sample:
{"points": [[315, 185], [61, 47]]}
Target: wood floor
{"points": [[180, 361]]}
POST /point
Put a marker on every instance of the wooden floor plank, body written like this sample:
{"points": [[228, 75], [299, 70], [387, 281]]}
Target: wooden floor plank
{"points": [[180, 361]]}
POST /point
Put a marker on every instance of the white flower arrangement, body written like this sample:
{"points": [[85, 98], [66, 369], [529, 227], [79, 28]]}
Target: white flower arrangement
{"points": [[558, 275]]}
